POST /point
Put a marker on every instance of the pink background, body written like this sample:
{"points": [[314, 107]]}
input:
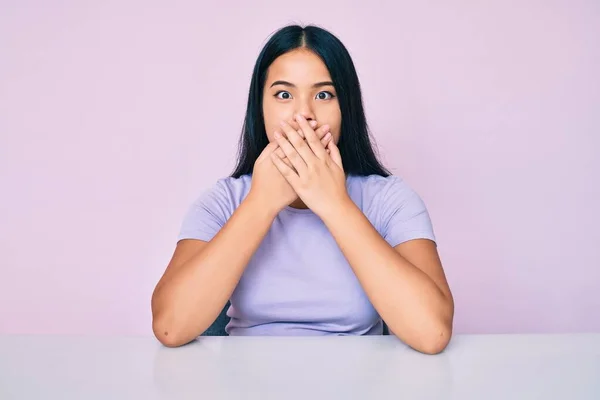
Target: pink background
{"points": [[114, 116]]}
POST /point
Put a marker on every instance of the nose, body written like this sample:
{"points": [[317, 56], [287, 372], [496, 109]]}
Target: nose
{"points": [[305, 109]]}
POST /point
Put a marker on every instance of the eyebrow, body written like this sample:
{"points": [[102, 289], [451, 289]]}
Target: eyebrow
{"points": [[288, 84]]}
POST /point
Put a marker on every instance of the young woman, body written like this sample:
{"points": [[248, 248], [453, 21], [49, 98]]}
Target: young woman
{"points": [[310, 235]]}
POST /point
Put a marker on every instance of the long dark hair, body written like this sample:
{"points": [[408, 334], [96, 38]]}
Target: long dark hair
{"points": [[356, 149]]}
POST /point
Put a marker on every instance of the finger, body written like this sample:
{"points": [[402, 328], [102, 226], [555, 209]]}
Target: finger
{"points": [[301, 147], [274, 146], [289, 150], [288, 163], [325, 139], [295, 125], [271, 147], [311, 137], [296, 139], [280, 152], [334, 153], [322, 131], [281, 155], [288, 173], [313, 124]]}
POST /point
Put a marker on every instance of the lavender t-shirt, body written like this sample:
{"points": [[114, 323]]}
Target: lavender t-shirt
{"points": [[298, 282]]}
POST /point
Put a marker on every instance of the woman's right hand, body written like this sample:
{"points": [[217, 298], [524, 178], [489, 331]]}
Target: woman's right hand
{"points": [[269, 188]]}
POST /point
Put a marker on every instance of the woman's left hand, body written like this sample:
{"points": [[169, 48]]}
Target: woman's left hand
{"points": [[318, 174]]}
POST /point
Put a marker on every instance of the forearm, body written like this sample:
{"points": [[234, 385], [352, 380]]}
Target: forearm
{"points": [[411, 304], [190, 299]]}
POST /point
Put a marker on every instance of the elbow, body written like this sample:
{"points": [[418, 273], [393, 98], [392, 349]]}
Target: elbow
{"points": [[173, 326], [433, 346], [430, 335], [437, 336], [169, 339], [429, 340], [167, 329], [435, 341], [164, 326], [168, 335]]}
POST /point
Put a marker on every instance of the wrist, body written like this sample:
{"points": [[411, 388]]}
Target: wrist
{"points": [[260, 206], [338, 211]]}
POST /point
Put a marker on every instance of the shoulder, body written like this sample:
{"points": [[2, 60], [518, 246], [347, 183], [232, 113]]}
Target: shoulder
{"points": [[228, 192], [213, 207], [376, 190], [222, 198], [394, 208]]}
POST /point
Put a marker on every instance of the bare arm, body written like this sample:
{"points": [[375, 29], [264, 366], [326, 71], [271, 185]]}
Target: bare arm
{"points": [[202, 275], [406, 284]]}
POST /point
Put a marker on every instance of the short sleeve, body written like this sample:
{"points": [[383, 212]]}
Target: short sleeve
{"points": [[207, 215], [403, 214]]}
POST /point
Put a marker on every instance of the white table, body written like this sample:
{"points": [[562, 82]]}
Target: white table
{"points": [[472, 367]]}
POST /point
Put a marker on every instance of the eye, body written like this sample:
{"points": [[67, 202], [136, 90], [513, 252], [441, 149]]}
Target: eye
{"points": [[283, 95], [325, 95]]}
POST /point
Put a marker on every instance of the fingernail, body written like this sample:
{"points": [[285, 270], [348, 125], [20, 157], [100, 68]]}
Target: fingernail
{"points": [[327, 136], [277, 135], [299, 117], [325, 128], [312, 124], [282, 123]]}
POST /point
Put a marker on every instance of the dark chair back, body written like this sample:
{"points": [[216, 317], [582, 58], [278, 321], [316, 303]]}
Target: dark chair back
{"points": [[218, 327]]}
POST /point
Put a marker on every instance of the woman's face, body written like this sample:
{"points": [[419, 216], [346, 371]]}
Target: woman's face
{"points": [[298, 82]]}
